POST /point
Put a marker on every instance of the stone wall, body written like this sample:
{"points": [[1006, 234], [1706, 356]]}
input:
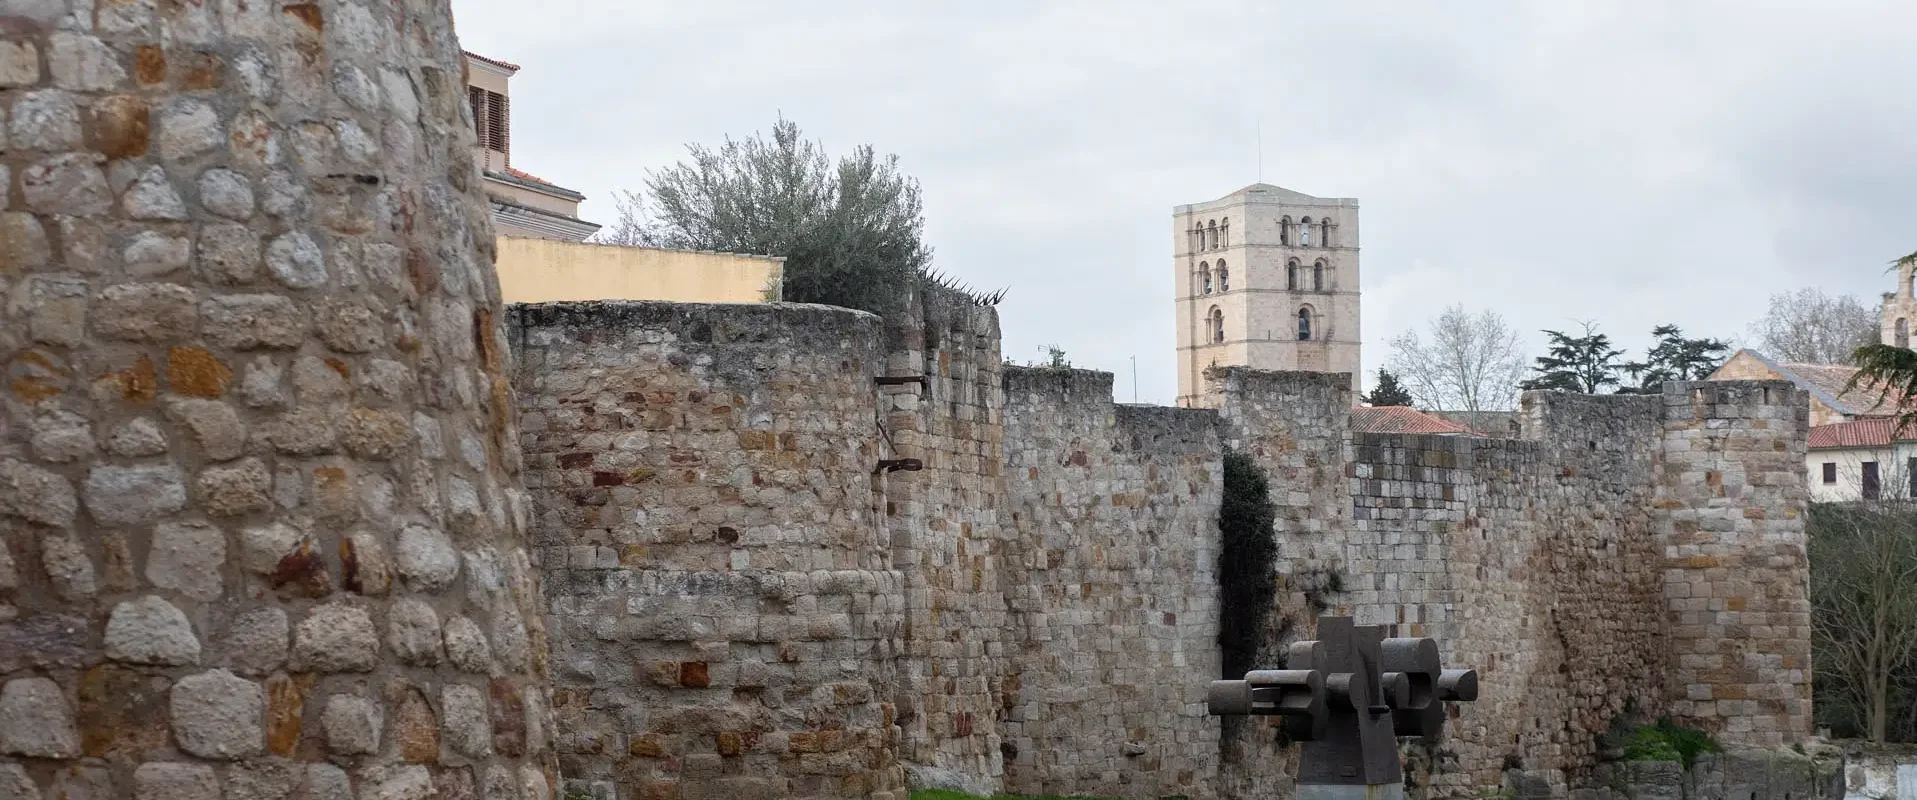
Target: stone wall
{"points": [[947, 531], [748, 603], [726, 623], [1114, 526], [1731, 529], [263, 535], [1543, 562]]}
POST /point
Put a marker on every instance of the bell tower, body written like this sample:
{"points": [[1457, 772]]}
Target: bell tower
{"points": [[1265, 277]]}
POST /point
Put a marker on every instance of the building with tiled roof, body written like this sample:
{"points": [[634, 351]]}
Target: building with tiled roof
{"points": [[1855, 450], [1830, 401], [1402, 419], [1863, 459], [523, 204]]}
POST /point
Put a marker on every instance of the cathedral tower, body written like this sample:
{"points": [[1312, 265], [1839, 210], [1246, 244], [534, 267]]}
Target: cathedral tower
{"points": [[1266, 278]]}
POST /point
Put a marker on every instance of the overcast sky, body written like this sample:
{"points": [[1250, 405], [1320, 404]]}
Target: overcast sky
{"points": [[1631, 162]]}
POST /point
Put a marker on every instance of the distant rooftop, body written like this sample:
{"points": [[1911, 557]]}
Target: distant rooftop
{"points": [[1873, 432], [1402, 419], [505, 65]]}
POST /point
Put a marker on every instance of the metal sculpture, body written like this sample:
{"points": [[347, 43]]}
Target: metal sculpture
{"points": [[1346, 697]]}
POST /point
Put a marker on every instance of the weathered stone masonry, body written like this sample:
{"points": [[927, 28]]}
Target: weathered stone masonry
{"points": [[725, 620], [263, 533], [1035, 608]]}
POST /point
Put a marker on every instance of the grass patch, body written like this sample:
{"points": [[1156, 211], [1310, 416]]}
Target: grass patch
{"points": [[947, 794], [1668, 741]]}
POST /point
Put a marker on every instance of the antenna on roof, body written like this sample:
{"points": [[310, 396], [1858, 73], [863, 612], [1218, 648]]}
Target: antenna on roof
{"points": [[1261, 151]]}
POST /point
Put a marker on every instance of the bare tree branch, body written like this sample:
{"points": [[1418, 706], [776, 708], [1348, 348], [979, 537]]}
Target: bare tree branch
{"points": [[1808, 326], [1469, 363], [1864, 598]]}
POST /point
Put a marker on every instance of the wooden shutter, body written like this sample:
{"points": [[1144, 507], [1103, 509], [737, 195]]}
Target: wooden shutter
{"points": [[498, 118]]}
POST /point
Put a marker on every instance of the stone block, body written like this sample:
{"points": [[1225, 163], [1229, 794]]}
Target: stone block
{"points": [[162, 780], [36, 720], [218, 715], [150, 630]]}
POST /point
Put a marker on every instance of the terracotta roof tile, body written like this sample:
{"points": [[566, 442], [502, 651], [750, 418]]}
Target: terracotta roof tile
{"points": [[1874, 432], [527, 176], [493, 61], [1400, 419]]}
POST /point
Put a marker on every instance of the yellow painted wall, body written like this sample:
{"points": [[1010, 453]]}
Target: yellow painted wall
{"points": [[544, 270]]}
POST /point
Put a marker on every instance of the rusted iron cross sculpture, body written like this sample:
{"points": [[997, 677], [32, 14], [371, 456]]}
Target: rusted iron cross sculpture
{"points": [[1346, 697]]}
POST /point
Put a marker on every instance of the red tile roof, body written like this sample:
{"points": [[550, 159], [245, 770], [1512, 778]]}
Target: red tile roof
{"points": [[527, 176], [1871, 432], [493, 61], [1400, 419]]}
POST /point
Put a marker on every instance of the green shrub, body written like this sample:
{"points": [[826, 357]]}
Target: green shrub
{"points": [[1668, 741], [1247, 558]]}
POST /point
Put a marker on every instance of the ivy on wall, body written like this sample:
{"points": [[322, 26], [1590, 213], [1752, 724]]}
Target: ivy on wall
{"points": [[1247, 558]]}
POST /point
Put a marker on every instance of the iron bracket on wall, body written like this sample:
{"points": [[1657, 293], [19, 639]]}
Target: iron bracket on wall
{"points": [[897, 464]]}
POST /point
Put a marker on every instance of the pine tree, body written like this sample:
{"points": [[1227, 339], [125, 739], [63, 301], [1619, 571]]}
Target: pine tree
{"points": [[1387, 391], [1674, 358], [1585, 363]]}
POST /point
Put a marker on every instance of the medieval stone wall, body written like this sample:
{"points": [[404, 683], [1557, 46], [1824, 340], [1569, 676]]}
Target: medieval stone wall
{"points": [[947, 532], [746, 603], [263, 530], [1565, 567], [726, 623], [1730, 527], [1114, 521]]}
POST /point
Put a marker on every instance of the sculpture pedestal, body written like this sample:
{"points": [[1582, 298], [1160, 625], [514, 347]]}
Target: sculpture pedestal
{"points": [[1350, 791]]}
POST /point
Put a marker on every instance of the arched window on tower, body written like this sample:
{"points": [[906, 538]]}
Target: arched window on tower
{"points": [[1903, 332], [1211, 235], [1318, 276], [1324, 232], [1204, 277], [1304, 324], [1291, 275], [1224, 233], [1304, 232], [1284, 229], [1195, 238], [1224, 277], [1216, 327]]}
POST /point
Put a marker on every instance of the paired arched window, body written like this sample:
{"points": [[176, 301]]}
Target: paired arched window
{"points": [[1318, 276], [1291, 275], [1903, 332], [1224, 233], [1204, 277], [1304, 232], [1304, 324], [1324, 232], [1224, 277], [1284, 229], [1215, 326], [1211, 235]]}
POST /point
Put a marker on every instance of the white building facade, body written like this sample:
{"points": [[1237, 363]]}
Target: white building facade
{"points": [[1865, 459]]}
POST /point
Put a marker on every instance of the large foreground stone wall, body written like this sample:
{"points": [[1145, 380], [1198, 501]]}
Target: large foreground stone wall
{"points": [[725, 620], [747, 603], [263, 534]]}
